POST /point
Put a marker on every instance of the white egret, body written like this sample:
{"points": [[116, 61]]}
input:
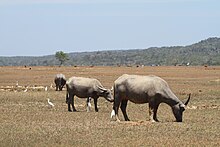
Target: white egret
{"points": [[45, 88], [113, 113], [49, 103], [25, 90]]}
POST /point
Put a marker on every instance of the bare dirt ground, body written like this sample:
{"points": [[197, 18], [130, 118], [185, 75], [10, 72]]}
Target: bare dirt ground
{"points": [[26, 119]]}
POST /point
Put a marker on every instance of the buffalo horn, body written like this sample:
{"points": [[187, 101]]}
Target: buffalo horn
{"points": [[187, 100], [103, 89]]}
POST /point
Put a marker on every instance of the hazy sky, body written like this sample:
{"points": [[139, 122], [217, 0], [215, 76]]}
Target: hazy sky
{"points": [[42, 27]]}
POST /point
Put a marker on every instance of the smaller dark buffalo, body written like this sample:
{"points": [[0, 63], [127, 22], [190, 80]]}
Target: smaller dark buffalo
{"points": [[86, 88], [60, 81]]}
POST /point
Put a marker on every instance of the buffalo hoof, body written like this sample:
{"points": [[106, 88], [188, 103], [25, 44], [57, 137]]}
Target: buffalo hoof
{"points": [[118, 120], [70, 110]]}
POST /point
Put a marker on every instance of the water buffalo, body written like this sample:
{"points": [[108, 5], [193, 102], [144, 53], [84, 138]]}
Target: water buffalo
{"points": [[60, 81], [85, 88], [145, 89]]}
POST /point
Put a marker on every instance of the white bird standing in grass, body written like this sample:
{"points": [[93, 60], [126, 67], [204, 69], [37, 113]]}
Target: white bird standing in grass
{"points": [[25, 90], [45, 88], [49, 103], [113, 113]]}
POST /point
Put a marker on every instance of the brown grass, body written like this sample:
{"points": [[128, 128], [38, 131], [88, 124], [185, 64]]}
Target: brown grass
{"points": [[26, 120]]}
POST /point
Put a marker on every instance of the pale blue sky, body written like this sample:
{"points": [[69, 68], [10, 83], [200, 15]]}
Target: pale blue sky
{"points": [[42, 27]]}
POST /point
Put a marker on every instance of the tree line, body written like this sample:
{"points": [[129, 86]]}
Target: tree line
{"points": [[205, 52]]}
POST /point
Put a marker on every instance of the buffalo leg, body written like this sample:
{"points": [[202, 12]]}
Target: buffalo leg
{"points": [[69, 108], [95, 103], [74, 109], [88, 104], [116, 105], [123, 109], [153, 111], [71, 101], [68, 101]]}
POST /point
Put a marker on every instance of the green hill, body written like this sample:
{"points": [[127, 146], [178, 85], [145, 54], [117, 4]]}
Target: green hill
{"points": [[205, 52]]}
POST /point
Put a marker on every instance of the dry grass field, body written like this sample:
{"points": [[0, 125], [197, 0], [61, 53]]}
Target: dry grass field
{"points": [[26, 119]]}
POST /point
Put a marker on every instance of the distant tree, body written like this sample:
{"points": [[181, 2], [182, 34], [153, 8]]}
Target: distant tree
{"points": [[62, 57]]}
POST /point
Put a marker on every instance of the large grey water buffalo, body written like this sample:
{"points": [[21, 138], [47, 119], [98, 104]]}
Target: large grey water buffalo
{"points": [[85, 88], [145, 89], [60, 81]]}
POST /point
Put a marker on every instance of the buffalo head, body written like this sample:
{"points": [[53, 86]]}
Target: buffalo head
{"points": [[106, 93], [60, 81], [178, 110]]}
